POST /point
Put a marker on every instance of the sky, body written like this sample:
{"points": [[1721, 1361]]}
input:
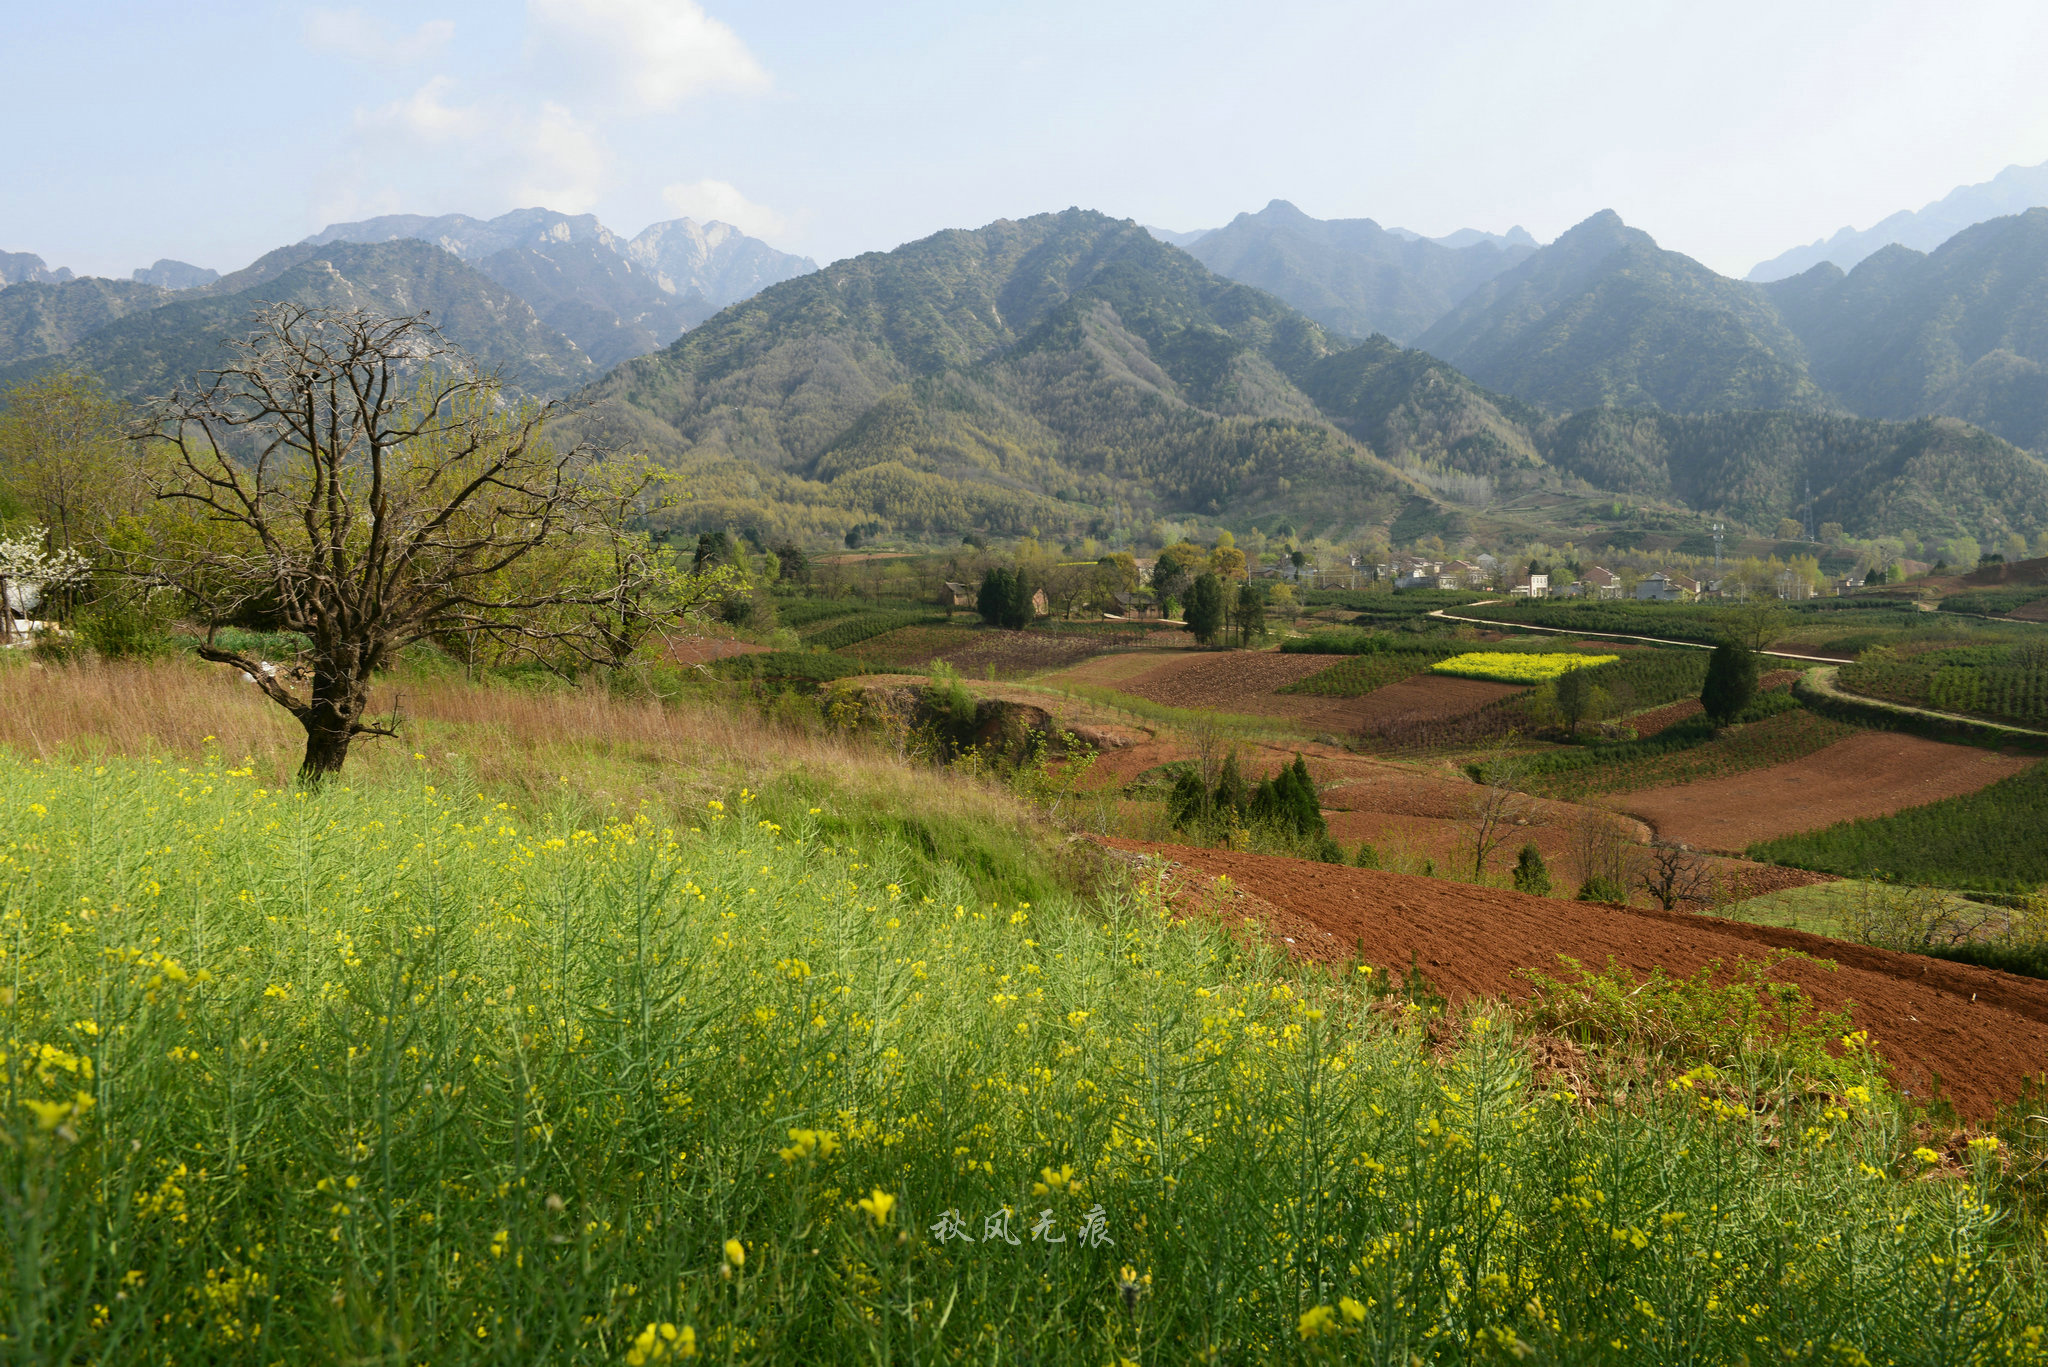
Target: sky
{"points": [[214, 132]]}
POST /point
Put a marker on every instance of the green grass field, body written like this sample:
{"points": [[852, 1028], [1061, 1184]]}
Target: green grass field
{"points": [[396, 1073]]}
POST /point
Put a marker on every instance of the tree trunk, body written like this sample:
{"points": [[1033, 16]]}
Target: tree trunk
{"points": [[326, 752], [330, 722]]}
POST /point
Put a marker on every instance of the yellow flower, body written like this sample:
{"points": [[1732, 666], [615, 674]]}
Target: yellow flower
{"points": [[1320, 1320], [735, 1253], [1051, 1182], [878, 1205], [662, 1343], [1353, 1311], [49, 1114], [1926, 1155], [1986, 1144]]}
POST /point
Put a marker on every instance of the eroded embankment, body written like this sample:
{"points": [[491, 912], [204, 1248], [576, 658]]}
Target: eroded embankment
{"points": [[1972, 1034]]}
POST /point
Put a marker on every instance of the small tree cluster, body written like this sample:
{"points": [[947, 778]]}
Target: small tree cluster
{"points": [[1285, 804], [1731, 682], [1005, 599]]}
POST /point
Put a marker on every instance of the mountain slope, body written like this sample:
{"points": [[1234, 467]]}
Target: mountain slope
{"points": [[1930, 478], [1412, 408], [2012, 191], [146, 353], [1351, 275], [26, 267], [1603, 316], [1962, 332], [38, 318], [1063, 371]]}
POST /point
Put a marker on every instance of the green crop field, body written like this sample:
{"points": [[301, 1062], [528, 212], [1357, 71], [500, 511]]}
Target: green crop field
{"points": [[1990, 840], [2004, 683], [396, 1073]]}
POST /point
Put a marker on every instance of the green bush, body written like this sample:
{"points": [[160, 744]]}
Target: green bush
{"points": [[1532, 875], [1599, 888]]}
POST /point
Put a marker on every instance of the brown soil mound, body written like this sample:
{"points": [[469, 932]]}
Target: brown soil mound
{"points": [[1982, 1033], [1873, 773]]}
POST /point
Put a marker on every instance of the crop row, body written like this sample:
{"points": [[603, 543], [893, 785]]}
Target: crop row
{"points": [[847, 631], [1359, 675], [2004, 683], [1988, 840]]}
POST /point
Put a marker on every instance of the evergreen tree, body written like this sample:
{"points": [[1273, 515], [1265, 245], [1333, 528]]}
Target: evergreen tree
{"points": [[1731, 682], [1532, 875], [1368, 857], [1231, 794], [1018, 611], [994, 599], [1205, 607], [1251, 615], [1188, 804]]}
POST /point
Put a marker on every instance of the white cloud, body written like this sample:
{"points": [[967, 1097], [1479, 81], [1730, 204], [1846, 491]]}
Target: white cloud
{"points": [[499, 152], [649, 55], [352, 33], [705, 200]]}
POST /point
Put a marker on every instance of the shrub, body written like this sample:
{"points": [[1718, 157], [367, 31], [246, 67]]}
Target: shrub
{"points": [[1600, 888], [1367, 857], [1532, 875]]}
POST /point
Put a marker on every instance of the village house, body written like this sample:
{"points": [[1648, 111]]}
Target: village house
{"points": [[1530, 586], [1137, 607], [1600, 582], [958, 597], [1668, 588]]}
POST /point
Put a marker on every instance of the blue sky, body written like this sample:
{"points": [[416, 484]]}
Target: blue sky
{"points": [[213, 132]]}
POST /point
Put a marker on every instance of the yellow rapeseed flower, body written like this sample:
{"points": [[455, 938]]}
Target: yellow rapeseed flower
{"points": [[1926, 1155], [662, 1343], [878, 1205], [1320, 1320], [735, 1253]]}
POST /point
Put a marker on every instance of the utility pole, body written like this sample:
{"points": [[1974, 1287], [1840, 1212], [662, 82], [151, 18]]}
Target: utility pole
{"points": [[1717, 549]]}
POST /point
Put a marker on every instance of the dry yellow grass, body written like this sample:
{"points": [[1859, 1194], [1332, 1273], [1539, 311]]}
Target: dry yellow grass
{"points": [[581, 744]]}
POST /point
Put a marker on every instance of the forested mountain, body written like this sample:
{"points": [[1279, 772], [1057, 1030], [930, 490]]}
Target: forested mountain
{"points": [[1065, 371], [1351, 275], [1962, 331], [1603, 316], [39, 318], [1935, 477], [2012, 191], [1412, 408], [612, 297], [146, 352]]}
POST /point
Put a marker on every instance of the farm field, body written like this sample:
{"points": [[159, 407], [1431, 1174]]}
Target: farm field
{"points": [[1474, 942], [974, 650], [1865, 774]]}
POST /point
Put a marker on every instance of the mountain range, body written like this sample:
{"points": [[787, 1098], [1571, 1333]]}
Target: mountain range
{"points": [[2013, 190], [1075, 372], [553, 299], [1071, 371]]}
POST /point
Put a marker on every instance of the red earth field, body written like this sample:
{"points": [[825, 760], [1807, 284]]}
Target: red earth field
{"points": [[1872, 773], [1980, 1032]]}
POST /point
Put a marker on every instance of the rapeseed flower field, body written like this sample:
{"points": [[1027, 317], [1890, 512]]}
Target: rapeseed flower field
{"points": [[1514, 668], [394, 1073]]}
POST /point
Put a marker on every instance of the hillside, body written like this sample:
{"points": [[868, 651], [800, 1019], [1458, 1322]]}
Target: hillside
{"points": [[145, 353], [1062, 371], [1929, 478], [45, 318], [1962, 331], [1603, 316], [1351, 275], [1410, 407]]}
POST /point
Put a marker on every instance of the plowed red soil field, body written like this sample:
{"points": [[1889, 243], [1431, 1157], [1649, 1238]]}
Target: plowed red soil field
{"points": [[1980, 1032], [1873, 773]]}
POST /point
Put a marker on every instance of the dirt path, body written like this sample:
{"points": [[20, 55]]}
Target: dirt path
{"points": [[1981, 1032], [1873, 773]]}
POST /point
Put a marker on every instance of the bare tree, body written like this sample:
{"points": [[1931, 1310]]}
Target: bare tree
{"points": [[1673, 873], [364, 482], [1602, 850], [1496, 807]]}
